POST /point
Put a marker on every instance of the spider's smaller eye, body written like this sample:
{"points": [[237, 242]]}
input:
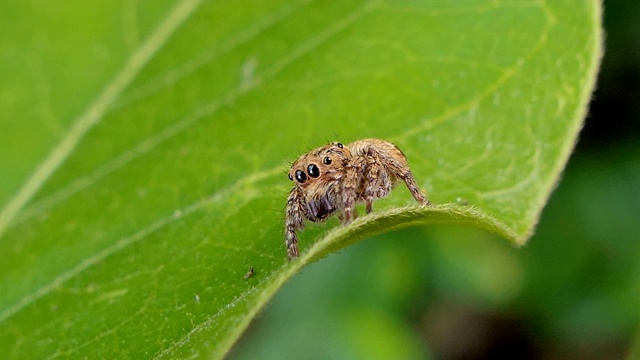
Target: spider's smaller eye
{"points": [[313, 170], [290, 177], [326, 160], [340, 145], [301, 176]]}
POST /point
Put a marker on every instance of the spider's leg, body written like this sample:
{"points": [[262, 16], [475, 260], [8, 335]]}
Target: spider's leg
{"points": [[350, 186], [400, 169], [414, 189], [374, 176], [294, 221]]}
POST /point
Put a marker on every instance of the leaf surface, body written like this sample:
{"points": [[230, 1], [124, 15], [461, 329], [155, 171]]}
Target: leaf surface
{"points": [[144, 162]]}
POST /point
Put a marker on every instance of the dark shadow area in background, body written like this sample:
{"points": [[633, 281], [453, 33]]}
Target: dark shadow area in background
{"points": [[614, 115]]}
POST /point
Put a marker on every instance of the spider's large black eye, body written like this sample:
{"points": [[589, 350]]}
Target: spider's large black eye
{"points": [[340, 145], [313, 170], [326, 160], [301, 176]]}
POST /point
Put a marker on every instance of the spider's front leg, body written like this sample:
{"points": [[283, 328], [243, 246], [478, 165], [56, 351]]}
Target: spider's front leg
{"points": [[294, 221]]}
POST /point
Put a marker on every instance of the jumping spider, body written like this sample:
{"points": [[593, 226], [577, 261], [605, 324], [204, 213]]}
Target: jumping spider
{"points": [[335, 177]]}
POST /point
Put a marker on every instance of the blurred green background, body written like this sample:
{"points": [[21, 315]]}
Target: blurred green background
{"points": [[447, 293]]}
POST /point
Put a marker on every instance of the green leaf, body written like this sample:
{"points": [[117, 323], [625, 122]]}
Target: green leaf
{"points": [[145, 147]]}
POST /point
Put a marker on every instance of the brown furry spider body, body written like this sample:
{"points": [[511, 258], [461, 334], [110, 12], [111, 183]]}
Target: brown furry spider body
{"points": [[335, 177]]}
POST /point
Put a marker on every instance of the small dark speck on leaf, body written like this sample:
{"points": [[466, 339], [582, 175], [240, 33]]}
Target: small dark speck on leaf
{"points": [[249, 273]]}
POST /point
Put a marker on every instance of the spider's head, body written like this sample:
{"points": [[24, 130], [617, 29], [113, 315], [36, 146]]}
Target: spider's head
{"points": [[320, 166]]}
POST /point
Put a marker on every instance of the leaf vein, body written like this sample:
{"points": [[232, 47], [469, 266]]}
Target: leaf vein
{"points": [[132, 239], [174, 75], [197, 115], [96, 111]]}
